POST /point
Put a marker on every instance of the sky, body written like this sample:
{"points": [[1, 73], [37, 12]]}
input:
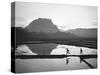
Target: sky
{"points": [[65, 16]]}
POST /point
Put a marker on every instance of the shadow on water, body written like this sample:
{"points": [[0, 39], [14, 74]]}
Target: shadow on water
{"points": [[82, 57], [53, 56], [81, 60]]}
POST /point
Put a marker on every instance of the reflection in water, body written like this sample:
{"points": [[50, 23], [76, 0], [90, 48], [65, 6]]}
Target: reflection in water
{"points": [[24, 50], [68, 63], [67, 60], [73, 50], [86, 63], [42, 49]]}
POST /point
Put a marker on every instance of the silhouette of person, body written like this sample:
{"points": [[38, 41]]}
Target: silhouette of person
{"points": [[81, 51], [67, 51]]}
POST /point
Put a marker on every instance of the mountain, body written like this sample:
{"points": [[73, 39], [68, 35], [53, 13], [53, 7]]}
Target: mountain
{"points": [[84, 33], [61, 35], [42, 25], [20, 34], [44, 28]]}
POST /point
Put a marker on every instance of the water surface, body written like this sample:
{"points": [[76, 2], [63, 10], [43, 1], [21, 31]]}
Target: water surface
{"points": [[41, 65]]}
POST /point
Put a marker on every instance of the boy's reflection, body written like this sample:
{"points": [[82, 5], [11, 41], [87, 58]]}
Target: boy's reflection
{"points": [[81, 60], [67, 60]]}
